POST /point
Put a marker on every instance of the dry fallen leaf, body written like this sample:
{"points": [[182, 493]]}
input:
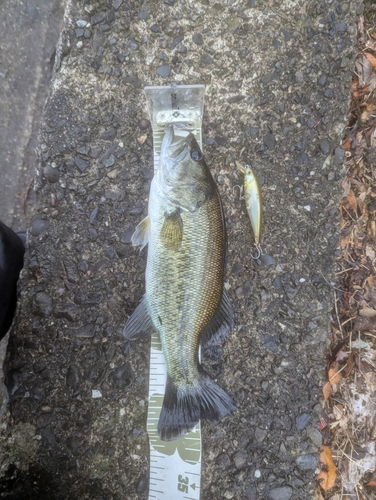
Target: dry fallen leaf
{"points": [[367, 110], [327, 478], [371, 229], [346, 143], [341, 356], [346, 234], [334, 375], [367, 312], [371, 58], [363, 69], [351, 200], [370, 280], [318, 495], [327, 390], [370, 252], [372, 482], [364, 324], [358, 91], [346, 185], [350, 364]]}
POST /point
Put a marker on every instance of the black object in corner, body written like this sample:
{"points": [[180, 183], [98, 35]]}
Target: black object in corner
{"points": [[11, 262]]}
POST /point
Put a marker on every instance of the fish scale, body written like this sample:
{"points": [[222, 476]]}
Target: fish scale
{"points": [[198, 265]]}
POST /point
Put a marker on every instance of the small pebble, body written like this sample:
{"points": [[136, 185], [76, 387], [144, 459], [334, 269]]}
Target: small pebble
{"points": [[223, 461], [51, 174], [163, 70], [307, 462], [144, 124], [93, 215], [325, 146], [265, 260], [322, 80], [280, 493], [269, 141], [329, 93], [142, 483], [95, 394], [198, 39], [39, 226], [116, 4], [109, 161], [240, 459], [339, 154], [97, 18], [302, 420], [260, 434], [81, 164]]}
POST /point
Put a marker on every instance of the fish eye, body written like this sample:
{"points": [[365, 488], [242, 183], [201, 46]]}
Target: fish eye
{"points": [[196, 155]]}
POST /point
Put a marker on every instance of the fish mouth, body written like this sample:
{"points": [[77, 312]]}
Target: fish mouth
{"points": [[174, 150]]}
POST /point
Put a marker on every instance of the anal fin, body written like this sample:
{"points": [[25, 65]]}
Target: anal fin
{"points": [[139, 325], [221, 324]]}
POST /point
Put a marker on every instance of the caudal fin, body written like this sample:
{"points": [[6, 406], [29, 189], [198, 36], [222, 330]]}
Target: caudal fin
{"points": [[184, 406]]}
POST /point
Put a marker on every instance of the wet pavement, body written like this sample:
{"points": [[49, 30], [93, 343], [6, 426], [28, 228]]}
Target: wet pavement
{"points": [[277, 78]]}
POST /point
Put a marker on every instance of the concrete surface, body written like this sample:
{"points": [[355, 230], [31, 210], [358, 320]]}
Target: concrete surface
{"points": [[28, 37], [278, 78]]}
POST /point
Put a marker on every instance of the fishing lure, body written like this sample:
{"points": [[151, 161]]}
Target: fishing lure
{"points": [[252, 196]]}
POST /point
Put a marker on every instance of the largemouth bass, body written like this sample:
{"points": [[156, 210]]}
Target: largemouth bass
{"points": [[184, 300]]}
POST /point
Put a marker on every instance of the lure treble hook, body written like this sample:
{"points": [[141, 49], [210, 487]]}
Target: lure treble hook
{"points": [[240, 190]]}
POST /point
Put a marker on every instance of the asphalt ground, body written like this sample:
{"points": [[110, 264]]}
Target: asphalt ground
{"points": [[277, 79]]}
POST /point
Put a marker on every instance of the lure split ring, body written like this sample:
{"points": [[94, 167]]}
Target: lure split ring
{"points": [[256, 255]]}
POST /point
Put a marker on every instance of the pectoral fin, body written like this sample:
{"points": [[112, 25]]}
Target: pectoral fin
{"points": [[172, 231], [141, 233], [220, 325], [139, 325]]}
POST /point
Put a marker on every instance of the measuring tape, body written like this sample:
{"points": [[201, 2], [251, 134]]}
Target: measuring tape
{"points": [[175, 466]]}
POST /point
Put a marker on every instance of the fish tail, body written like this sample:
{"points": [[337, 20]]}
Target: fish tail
{"points": [[184, 406]]}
